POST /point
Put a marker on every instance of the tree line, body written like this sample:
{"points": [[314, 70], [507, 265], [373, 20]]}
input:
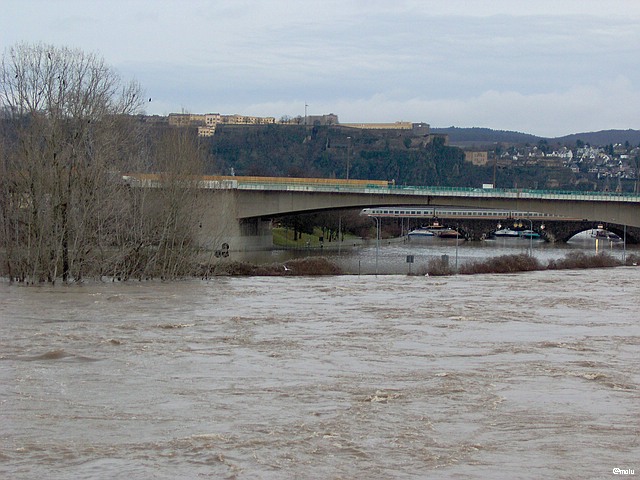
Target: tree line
{"points": [[338, 152]]}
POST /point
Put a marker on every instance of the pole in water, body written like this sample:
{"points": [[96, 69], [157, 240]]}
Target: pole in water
{"points": [[377, 241]]}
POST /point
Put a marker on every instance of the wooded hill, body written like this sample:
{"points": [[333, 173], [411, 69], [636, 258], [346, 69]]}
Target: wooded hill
{"points": [[329, 151], [398, 155]]}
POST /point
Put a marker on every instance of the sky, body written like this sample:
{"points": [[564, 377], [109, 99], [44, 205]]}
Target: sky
{"points": [[546, 67]]}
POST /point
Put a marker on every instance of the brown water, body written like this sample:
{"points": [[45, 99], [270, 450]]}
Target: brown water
{"points": [[532, 375]]}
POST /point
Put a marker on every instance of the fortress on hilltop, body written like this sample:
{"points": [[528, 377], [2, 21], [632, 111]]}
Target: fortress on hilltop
{"points": [[207, 123]]}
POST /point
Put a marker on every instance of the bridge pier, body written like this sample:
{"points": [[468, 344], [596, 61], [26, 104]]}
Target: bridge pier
{"points": [[218, 225], [254, 234]]}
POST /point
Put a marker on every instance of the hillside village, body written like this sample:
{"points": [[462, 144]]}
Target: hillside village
{"points": [[613, 162]]}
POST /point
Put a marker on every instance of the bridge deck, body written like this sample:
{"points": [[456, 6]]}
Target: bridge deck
{"points": [[267, 197], [377, 187]]}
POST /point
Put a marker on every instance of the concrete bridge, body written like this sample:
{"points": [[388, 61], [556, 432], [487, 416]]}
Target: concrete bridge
{"points": [[258, 202], [246, 205]]}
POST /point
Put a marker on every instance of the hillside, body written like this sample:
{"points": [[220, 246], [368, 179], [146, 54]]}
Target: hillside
{"points": [[475, 136], [485, 137], [603, 137], [337, 152]]}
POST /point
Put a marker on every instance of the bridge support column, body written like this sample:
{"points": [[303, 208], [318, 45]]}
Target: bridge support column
{"points": [[218, 225], [254, 234]]}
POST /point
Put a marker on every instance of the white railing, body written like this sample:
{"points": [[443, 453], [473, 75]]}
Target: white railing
{"points": [[446, 192]]}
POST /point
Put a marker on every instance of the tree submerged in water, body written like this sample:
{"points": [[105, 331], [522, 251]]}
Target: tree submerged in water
{"points": [[69, 128]]}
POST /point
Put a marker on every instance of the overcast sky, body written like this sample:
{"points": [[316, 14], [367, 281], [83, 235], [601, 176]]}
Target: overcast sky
{"points": [[547, 67]]}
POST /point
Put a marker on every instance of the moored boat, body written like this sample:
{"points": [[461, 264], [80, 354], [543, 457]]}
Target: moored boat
{"points": [[447, 233], [529, 234], [421, 232], [506, 232], [436, 229], [601, 234]]}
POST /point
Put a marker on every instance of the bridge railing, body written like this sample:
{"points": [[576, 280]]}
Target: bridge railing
{"points": [[442, 191], [330, 185]]}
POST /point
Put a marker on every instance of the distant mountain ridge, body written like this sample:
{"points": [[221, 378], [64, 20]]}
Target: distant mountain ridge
{"points": [[603, 137], [476, 136]]}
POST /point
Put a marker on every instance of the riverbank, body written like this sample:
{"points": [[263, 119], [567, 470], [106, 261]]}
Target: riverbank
{"points": [[321, 265], [526, 263], [317, 266]]}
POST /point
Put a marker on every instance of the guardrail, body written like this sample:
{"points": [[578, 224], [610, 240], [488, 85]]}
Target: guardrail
{"points": [[447, 191], [327, 185]]}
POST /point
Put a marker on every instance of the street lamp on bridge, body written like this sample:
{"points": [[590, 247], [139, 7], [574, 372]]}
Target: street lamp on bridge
{"points": [[348, 155], [377, 219], [529, 233]]}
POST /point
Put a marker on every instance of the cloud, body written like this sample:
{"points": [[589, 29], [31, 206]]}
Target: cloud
{"points": [[578, 109], [461, 63]]}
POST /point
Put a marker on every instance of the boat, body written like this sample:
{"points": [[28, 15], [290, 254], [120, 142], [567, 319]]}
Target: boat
{"points": [[506, 232], [441, 231], [529, 234], [448, 233], [434, 230], [421, 232], [600, 234]]}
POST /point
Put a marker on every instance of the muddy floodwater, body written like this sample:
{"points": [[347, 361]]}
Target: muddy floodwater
{"points": [[530, 375]]}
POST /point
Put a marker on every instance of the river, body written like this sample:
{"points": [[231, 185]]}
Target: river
{"points": [[531, 375]]}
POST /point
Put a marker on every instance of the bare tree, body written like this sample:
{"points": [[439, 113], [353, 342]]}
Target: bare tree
{"points": [[62, 150], [171, 213], [172, 226], [68, 132]]}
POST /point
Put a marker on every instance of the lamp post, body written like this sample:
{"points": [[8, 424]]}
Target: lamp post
{"points": [[340, 234], [530, 233], [377, 241], [530, 236], [348, 154], [624, 245], [457, 236]]}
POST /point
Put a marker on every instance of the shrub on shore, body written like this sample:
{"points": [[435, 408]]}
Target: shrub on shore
{"points": [[526, 263], [581, 260], [436, 267], [503, 264], [298, 267], [632, 260]]}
